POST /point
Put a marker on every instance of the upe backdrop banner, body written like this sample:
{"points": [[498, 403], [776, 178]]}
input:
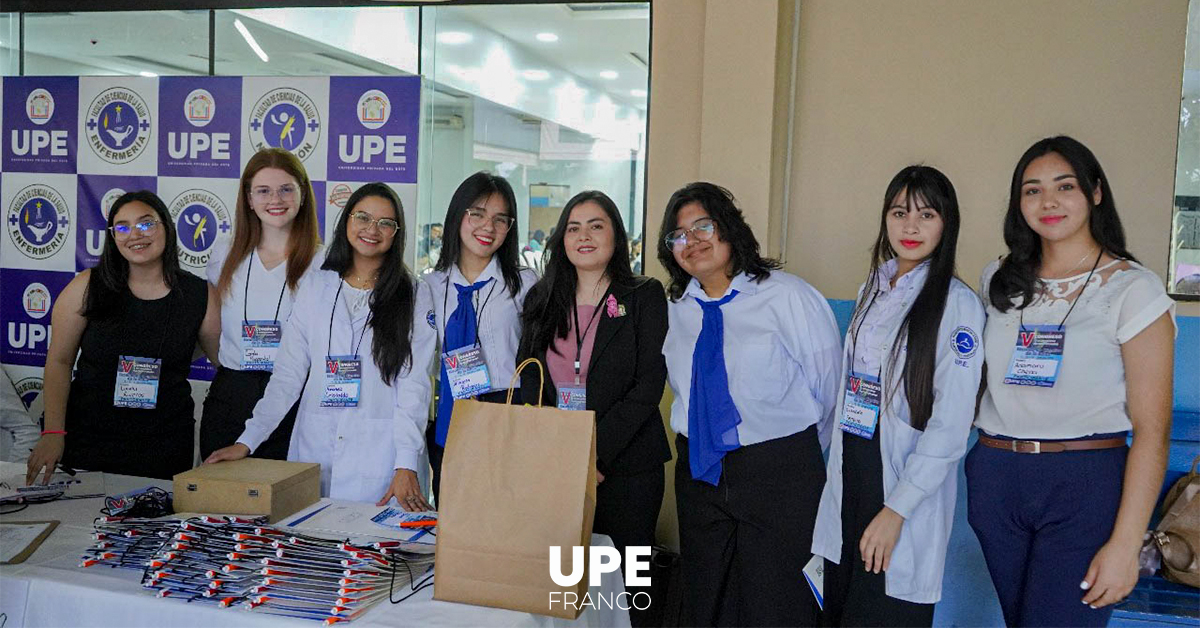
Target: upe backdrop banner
{"points": [[72, 145]]}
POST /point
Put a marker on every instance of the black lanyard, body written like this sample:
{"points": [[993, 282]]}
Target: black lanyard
{"points": [[579, 338], [329, 339], [1077, 297], [246, 293], [478, 310]]}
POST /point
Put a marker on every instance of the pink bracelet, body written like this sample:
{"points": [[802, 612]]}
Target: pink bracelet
{"points": [[45, 432]]}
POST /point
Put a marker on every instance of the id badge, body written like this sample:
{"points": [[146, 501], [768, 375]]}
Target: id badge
{"points": [[467, 372], [343, 380], [1037, 356], [572, 396], [860, 412], [137, 382], [260, 344]]}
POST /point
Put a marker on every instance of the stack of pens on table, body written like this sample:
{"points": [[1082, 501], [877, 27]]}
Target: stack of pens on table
{"points": [[237, 562], [127, 542]]}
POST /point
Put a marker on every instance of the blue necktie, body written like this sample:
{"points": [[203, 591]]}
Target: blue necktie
{"points": [[712, 417], [460, 332]]}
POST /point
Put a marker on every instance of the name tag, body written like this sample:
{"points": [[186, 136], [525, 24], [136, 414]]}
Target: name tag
{"points": [[572, 396], [260, 344], [1037, 356], [467, 372], [343, 381], [860, 412], [137, 382]]}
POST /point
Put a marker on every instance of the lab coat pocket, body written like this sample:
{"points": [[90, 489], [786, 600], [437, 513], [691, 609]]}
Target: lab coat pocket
{"points": [[764, 371], [900, 440]]}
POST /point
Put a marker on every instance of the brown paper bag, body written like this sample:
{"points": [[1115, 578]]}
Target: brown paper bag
{"points": [[516, 480]]}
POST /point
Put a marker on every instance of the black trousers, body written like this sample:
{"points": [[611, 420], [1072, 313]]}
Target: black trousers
{"points": [[436, 451], [744, 542], [230, 403], [854, 596], [627, 509]]}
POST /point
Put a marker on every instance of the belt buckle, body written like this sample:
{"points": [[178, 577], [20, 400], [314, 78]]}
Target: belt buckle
{"points": [[1030, 446]]}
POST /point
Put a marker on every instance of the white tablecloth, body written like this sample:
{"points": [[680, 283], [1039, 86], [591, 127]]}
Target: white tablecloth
{"points": [[60, 593]]}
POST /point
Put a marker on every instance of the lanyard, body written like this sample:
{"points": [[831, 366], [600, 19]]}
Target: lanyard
{"points": [[579, 338], [478, 309], [246, 293], [1077, 297], [329, 339]]}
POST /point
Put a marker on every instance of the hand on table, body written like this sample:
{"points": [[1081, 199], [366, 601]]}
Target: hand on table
{"points": [[236, 451], [407, 492], [46, 454]]}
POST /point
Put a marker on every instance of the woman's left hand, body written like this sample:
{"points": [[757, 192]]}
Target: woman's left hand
{"points": [[407, 492], [879, 539], [1112, 574]]}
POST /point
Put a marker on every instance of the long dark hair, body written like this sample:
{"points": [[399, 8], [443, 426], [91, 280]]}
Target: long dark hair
{"points": [[109, 280], [731, 227], [392, 300], [477, 186], [303, 238], [929, 187], [1017, 274], [547, 313]]}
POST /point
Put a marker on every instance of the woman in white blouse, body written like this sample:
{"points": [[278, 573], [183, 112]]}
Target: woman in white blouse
{"points": [[357, 358], [1079, 350], [910, 374], [753, 360]]}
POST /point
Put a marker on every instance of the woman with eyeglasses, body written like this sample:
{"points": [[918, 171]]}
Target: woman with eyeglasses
{"points": [[275, 245], [133, 321], [478, 289], [362, 417], [753, 358]]}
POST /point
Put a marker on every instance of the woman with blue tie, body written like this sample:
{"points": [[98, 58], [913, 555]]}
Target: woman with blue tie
{"points": [[910, 374], [478, 288], [753, 358], [359, 364]]}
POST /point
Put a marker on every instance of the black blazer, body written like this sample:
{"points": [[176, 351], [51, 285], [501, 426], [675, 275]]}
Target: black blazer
{"points": [[626, 378]]}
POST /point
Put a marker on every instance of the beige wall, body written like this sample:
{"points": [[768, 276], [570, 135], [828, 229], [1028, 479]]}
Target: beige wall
{"points": [[963, 86]]}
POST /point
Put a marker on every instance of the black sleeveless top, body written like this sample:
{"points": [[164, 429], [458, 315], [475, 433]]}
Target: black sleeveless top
{"points": [[154, 443]]}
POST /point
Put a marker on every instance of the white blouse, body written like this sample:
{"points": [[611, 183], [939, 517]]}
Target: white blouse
{"points": [[1121, 299]]}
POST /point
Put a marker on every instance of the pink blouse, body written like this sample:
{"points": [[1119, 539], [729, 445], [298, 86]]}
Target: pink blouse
{"points": [[560, 357]]}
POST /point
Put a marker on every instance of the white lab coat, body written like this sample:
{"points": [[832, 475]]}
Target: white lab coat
{"points": [[358, 448], [919, 467]]}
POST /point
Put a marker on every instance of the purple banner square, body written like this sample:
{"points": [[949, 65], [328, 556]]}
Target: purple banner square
{"points": [[373, 122], [96, 195], [198, 126], [40, 123], [26, 300]]}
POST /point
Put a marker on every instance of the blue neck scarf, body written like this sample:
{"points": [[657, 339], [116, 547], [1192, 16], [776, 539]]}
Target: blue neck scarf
{"points": [[712, 417], [461, 330]]}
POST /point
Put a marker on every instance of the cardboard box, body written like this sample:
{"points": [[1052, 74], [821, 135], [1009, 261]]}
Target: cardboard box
{"points": [[250, 486]]}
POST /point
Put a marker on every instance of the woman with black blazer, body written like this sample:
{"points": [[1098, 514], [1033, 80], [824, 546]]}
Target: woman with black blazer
{"points": [[598, 330]]}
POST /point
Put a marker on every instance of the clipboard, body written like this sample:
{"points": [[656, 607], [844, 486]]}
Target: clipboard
{"points": [[32, 545]]}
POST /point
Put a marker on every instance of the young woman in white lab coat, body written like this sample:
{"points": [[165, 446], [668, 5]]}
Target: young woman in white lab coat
{"points": [[366, 428], [478, 289], [911, 370]]}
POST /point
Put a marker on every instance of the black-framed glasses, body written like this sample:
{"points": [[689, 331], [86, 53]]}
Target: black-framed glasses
{"points": [[363, 220], [478, 217], [702, 230], [263, 194], [144, 227]]}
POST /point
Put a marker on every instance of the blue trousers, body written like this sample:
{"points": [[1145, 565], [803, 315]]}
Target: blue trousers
{"points": [[1040, 519]]}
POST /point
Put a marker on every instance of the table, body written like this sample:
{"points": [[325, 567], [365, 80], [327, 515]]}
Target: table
{"points": [[60, 593]]}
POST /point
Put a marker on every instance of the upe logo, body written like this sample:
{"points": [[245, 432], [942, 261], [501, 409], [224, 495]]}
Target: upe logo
{"points": [[339, 195], [601, 560], [286, 118], [38, 221], [965, 342], [373, 109], [36, 300], [39, 106], [200, 216], [199, 107], [118, 125], [106, 202]]}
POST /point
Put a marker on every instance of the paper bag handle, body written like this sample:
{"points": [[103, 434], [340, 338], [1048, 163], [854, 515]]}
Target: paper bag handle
{"points": [[517, 376]]}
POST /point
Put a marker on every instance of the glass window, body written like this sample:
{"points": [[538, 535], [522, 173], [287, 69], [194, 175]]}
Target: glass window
{"points": [[10, 40], [550, 96], [317, 41], [1184, 271], [149, 43]]}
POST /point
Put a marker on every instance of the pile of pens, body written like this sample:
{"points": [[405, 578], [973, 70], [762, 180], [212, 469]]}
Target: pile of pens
{"points": [[233, 562]]}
